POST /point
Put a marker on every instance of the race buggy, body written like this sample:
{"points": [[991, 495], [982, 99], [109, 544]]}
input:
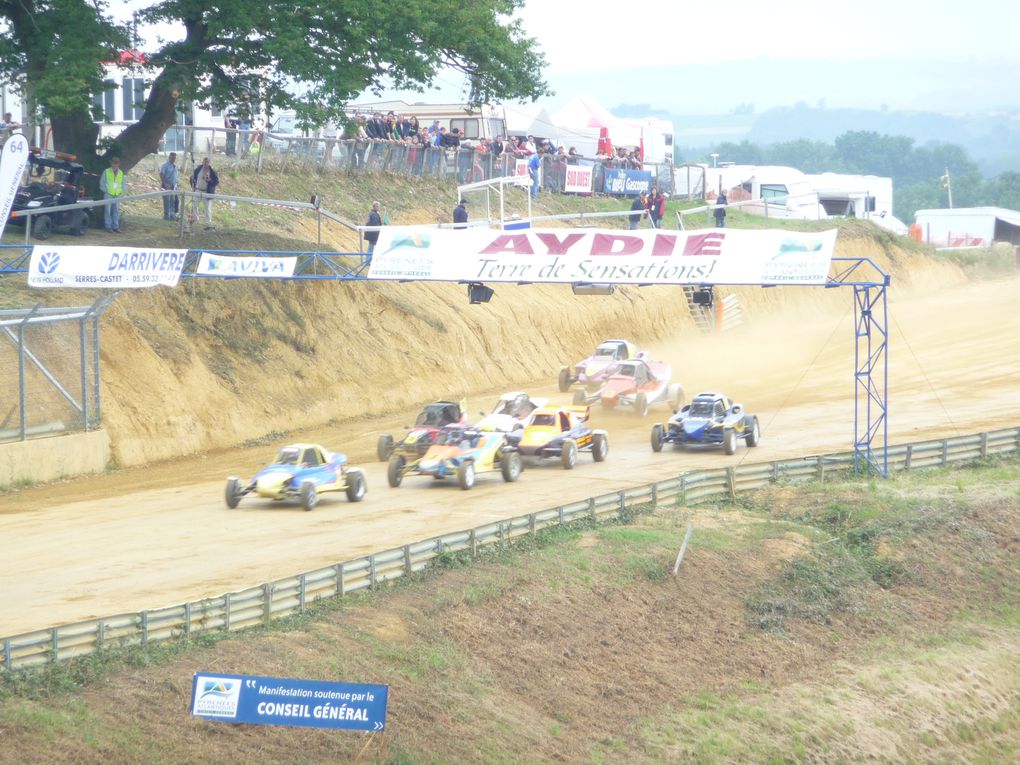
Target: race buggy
{"points": [[461, 451], [637, 383], [711, 419], [302, 472], [430, 421], [596, 368], [53, 182], [510, 412], [554, 431]]}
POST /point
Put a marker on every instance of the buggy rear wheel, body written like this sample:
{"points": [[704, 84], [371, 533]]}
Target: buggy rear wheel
{"points": [[599, 447], [569, 454], [729, 441], [233, 492], [355, 485], [511, 466], [466, 475], [657, 437], [395, 470], [564, 380], [309, 497], [384, 447], [641, 404], [754, 435]]}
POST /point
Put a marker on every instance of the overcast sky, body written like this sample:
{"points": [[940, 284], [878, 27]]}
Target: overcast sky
{"points": [[961, 55]]}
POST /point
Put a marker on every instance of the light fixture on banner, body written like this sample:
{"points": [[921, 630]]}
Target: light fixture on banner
{"points": [[12, 165]]}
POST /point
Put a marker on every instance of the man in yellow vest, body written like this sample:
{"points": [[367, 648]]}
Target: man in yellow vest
{"points": [[111, 183]]}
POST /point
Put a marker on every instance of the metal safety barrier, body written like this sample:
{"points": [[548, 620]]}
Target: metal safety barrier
{"points": [[260, 604]]}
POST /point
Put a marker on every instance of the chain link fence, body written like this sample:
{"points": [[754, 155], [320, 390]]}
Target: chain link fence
{"points": [[49, 370]]}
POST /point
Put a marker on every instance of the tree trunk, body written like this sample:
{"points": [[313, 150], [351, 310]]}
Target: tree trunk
{"points": [[142, 138]]}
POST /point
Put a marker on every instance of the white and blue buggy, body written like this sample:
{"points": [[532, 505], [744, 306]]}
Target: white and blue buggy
{"points": [[301, 472], [711, 419]]}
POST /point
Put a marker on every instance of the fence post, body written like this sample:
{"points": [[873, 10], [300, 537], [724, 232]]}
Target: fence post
{"points": [[984, 445], [267, 603], [821, 468], [945, 452], [187, 620], [339, 578], [655, 496], [531, 524], [683, 489], [473, 542], [8, 659], [100, 635], [591, 510], [909, 457], [371, 571], [407, 560], [302, 594], [731, 481], [226, 612], [145, 628], [623, 505], [559, 512], [775, 472]]}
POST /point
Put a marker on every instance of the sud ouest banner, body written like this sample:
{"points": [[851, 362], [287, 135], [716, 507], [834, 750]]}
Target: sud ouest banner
{"points": [[626, 182]]}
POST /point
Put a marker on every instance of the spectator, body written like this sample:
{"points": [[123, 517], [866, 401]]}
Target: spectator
{"points": [[205, 180], [460, 214], [169, 176], [244, 125], [374, 219], [111, 183], [573, 156], [720, 210], [7, 126], [656, 207], [638, 207], [533, 170]]}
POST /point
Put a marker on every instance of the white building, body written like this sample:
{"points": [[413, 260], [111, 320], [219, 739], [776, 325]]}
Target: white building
{"points": [[969, 226]]}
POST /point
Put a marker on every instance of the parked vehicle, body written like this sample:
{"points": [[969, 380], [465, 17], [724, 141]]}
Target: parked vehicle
{"points": [[52, 182]]}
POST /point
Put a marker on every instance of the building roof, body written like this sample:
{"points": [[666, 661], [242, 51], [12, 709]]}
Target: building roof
{"points": [[1008, 216]]}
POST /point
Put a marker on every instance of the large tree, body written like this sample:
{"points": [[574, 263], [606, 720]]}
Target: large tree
{"points": [[308, 55]]}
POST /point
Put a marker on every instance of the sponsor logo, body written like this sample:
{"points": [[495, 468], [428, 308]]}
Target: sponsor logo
{"points": [[48, 263], [248, 266], [419, 240], [217, 697]]}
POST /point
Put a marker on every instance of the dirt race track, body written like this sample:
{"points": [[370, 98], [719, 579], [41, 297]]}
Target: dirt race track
{"points": [[148, 537]]}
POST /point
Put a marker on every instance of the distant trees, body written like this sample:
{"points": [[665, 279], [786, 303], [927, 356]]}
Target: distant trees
{"points": [[916, 170]]}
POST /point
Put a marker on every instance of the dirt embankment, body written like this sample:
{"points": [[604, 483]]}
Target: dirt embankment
{"points": [[212, 364]]}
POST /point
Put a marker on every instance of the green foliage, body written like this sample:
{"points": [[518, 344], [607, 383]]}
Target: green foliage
{"points": [[305, 55]]}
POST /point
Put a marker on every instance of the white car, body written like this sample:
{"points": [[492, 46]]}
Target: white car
{"points": [[510, 412]]}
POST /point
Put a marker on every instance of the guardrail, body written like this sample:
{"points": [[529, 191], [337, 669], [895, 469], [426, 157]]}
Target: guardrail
{"points": [[283, 597]]}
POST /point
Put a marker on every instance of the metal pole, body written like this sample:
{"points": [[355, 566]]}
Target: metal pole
{"points": [[21, 378], [95, 368], [84, 376]]}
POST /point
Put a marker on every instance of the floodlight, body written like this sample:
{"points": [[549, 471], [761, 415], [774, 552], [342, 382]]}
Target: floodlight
{"points": [[479, 293], [703, 297], [593, 289]]}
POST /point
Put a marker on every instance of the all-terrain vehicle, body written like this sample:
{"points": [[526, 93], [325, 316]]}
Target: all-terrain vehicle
{"points": [[52, 182]]}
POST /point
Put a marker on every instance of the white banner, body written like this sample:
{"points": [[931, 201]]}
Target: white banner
{"points": [[114, 267], [12, 165], [250, 266], [579, 179], [607, 256]]}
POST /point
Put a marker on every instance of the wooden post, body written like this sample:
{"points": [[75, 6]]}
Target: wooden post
{"points": [[302, 593], [683, 549], [984, 445], [909, 457], [267, 603], [731, 481], [407, 560]]}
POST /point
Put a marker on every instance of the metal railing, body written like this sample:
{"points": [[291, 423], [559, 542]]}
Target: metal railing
{"points": [[262, 603]]}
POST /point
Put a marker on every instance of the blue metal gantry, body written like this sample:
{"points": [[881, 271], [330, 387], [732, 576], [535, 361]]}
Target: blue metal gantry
{"points": [[871, 328]]}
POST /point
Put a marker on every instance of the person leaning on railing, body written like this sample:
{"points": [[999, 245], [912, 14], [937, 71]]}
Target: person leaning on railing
{"points": [[111, 183]]}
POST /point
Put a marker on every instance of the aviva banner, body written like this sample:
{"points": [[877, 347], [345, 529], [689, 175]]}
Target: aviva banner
{"points": [[590, 256], [251, 266]]}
